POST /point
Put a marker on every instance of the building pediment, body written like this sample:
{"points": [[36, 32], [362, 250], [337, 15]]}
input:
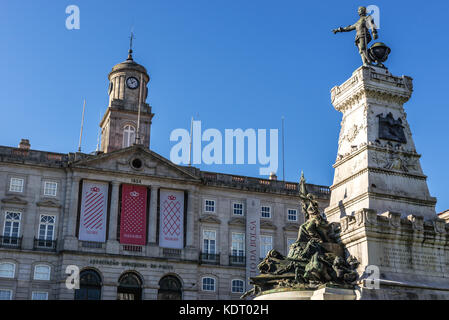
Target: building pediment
{"points": [[50, 203], [265, 224], [14, 200], [291, 227], [209, 219], [237, 221], [135, 160]]}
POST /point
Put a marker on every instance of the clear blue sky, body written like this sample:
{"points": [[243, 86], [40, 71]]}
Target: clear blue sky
{"points": [[231, 64]]}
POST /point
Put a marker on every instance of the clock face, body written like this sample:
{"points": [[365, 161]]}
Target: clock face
{"points": [[132, 83]]}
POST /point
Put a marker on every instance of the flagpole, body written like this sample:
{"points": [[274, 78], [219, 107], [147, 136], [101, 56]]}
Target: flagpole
{"points": [[190, 146], [138, 114], [82, 124], [283, 151]]}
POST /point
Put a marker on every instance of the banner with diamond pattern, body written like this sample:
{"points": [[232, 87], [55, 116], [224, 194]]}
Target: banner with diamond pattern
{"points": [[171, 219], [94, 205], [133, 215]]}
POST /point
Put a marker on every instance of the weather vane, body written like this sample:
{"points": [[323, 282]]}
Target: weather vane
{"points": [[130, 52]]}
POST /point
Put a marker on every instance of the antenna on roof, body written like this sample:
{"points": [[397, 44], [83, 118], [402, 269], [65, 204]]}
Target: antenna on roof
{"points": [[82, 124], [283, 151], [190, 145], [98, 137]]}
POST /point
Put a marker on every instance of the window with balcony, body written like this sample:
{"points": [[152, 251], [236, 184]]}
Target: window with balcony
{"points": [[237, 248], [45, 239], [209, 253], [11, 229]]}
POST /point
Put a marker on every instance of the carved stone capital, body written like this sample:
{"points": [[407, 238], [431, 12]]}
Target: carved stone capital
{"points": [[417, 222], [439, 225]]}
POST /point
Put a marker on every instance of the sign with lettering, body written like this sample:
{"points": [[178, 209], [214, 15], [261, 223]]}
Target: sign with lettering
{"points": [[252, 239]]}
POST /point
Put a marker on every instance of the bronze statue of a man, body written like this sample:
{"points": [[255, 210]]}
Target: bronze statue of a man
{"points": [[363, 36]]}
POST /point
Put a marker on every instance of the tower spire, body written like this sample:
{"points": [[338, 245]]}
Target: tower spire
{"points": [[130, 51]]}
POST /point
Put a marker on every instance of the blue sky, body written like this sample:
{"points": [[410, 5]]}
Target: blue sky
{"points": [[231, 64]]}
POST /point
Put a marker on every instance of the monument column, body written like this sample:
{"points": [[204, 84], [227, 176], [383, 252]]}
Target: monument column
{"points": [[377, 165]]}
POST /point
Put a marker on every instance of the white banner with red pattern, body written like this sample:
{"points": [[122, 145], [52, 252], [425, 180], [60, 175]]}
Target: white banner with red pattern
{"points": [[171, 227], [133, 220], [93, 214]]}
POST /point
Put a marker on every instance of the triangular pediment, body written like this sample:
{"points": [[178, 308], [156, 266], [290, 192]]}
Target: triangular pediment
{"points": [[14, 200], [209, 219], [265, 224], [237, 221], [135, 160], [291, 227], [49, 203]]}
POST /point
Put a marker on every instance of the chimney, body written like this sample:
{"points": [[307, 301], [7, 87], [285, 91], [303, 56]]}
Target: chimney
{"points": [[273, 176], [24, 144]]}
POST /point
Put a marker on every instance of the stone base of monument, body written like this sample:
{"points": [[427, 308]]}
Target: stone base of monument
{"points": [[324, 293]]}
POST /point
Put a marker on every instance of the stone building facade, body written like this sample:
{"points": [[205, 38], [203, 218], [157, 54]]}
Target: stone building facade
{"points": [[42, 211]]}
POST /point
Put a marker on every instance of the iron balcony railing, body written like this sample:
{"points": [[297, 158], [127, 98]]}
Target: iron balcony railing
{"points": [[45, 245], [10, 242], [237, 260], [209, 258]]}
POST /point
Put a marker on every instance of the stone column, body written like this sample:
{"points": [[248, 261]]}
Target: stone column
{"points": [[70, 241], [152, 225], [113, 214], [190, 219]]}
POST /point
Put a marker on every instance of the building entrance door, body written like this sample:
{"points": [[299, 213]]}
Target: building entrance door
{"points": [[130, 287], [170, 288]]}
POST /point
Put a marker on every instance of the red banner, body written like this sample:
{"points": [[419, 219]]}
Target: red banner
{"points": [[133, 216]]}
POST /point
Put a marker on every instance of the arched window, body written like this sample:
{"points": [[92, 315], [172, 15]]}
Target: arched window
{"points": [[7, 270], [237, 286], [208, 284], [170, 288], [129, 136], [130, 287], [42, 272], [90, 286]]}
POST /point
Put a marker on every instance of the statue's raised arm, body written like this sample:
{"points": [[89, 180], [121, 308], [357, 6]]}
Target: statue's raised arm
{"points": [[363, 37]]}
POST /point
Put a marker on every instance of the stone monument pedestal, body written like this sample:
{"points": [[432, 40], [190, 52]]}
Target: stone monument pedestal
{"points": [[324, 293]]}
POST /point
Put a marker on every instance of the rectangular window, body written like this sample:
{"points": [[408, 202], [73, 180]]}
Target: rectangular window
{"points": [[238, 244], [266, 212], [39, 295], [209, 242], [42, 272], [238, 209], [289, 243], [209, 206], [12, 227], [5, 294], [50, 188], [292, 215], [237, 286], [208, 284], [47, 227], [16, 185], [266, 244]]}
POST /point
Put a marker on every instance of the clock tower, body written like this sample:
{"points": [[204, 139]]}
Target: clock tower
{"points": [[120, 125]]}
